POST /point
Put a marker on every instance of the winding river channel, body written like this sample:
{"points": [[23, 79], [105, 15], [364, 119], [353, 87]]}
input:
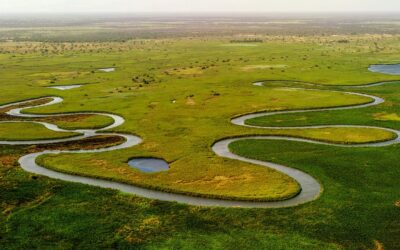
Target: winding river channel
{"points": [[310, 187]]}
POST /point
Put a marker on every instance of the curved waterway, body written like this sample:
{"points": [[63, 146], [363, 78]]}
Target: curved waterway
{"points": [[310, 187]]}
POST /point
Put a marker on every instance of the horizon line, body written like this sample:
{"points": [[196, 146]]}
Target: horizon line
{"points": [[205, 12]]}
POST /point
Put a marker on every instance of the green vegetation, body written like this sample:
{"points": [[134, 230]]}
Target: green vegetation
{"points": [[244, 182], [23, 131], [200, 104], [345, 135], [352, 213], [179, 96], [73, 122], [360, 186], [384, 115]]}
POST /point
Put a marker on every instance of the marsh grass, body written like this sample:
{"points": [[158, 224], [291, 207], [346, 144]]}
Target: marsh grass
{"points": [[24, 131], [360, 185]]}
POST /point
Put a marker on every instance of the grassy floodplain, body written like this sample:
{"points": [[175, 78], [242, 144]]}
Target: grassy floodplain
{"points": [[74, 122], [179, 96], [22, 131]]}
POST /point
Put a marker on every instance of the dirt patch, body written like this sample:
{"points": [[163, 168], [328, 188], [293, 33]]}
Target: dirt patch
{"points": [[8, 160], [397, 203], [378, 245], [190, 101]]}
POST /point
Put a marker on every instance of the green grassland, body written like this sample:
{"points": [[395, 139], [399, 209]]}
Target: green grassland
{"points": [[384, 115], [179, 96], [22, 131], [360, 187], [74, 122], [242, 182]]}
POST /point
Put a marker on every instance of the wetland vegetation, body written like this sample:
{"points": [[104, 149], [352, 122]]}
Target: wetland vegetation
{"points": [[178, 92]]}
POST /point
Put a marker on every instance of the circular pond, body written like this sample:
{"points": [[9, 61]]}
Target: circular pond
{"points": [[149, 165]]}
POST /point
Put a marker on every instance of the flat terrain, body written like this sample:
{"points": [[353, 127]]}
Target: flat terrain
{"points": [[21, 131], [179, 96]]}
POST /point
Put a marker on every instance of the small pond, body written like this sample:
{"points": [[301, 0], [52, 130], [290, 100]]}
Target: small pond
{"points": [[149, 165], [107, 70], [65, 87], [390, 69]]}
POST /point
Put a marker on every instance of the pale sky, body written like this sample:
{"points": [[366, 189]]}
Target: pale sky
{"points": [[12, 6]]}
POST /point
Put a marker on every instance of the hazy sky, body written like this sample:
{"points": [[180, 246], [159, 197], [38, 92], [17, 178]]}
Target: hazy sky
{"points": [[7, 6]]}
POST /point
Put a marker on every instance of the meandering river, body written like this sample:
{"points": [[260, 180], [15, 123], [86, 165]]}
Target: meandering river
{"points": [[310, 187]]}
